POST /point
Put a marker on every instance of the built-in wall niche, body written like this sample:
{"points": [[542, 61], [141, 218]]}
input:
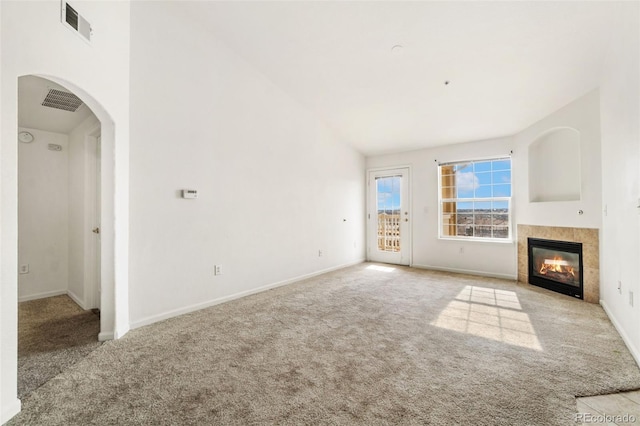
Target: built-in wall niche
{"points": [[554, 166]]}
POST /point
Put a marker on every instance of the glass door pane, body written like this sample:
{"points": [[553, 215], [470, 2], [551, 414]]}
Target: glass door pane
{"points": [[388, 195]]}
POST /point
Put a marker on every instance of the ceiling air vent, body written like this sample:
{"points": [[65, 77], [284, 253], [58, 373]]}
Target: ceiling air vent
{"points": [[62, 100], [75, 22]]}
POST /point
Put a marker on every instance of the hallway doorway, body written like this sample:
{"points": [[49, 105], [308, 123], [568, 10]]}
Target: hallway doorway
{"points": [[59, 210]]}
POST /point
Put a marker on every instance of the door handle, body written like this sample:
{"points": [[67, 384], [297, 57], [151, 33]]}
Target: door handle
{"points": [[96, 230]]}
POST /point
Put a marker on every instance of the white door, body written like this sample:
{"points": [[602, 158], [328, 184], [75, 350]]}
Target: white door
{"points": [[388, 230], [96, 230]]}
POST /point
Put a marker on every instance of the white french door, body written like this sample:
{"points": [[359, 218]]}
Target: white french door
{"points": [[388, 230]]}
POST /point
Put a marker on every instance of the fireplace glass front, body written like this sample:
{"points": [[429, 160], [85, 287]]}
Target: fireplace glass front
{"points": [[556, 265]]}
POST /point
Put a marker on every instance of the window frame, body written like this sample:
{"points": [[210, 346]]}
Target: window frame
{"points": [[442, 201]]}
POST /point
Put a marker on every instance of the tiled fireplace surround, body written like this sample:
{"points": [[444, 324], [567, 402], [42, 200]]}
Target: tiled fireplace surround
{"points": [[590, 253]]}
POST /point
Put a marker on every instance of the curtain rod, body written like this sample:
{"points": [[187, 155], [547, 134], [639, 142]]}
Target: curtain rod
{"points": [[493, 157]]}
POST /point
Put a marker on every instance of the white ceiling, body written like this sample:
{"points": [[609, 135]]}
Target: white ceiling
{"points": [[31, 92], [509, 63]]}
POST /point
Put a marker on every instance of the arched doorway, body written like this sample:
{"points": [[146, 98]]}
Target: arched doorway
{"points": [[59, 240], [106, 214], [58, 231], [114, 321]]}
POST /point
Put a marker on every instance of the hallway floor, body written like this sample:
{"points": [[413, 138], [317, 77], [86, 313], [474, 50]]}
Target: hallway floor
{"points": [[53, 334]]}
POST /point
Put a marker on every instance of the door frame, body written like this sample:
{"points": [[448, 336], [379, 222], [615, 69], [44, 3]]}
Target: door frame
{"points": [[114, 212], [369, 203]]}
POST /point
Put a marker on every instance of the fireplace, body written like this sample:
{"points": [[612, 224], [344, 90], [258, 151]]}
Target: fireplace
{"points": [[556, 265]]}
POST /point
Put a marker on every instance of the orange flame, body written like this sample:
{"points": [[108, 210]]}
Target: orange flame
{"points": [[557, 264]]}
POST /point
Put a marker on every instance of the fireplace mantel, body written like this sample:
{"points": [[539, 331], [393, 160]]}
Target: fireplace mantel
{"points": [[589, 238]]}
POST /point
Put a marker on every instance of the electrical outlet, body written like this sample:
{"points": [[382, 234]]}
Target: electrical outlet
{"points": [[217, 270], [320, 253], [24, 269], [631, 298], [619, 286]]}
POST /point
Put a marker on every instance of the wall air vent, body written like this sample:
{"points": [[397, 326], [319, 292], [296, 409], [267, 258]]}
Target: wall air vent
{"points": [[62, 100], [75, 22]]}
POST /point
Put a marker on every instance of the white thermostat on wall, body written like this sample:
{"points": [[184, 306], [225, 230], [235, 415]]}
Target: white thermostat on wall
{"points": [[189, 193]]}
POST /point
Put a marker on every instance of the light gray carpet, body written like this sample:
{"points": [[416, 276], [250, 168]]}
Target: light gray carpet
{"points": [[53, 334], [357, 346]]}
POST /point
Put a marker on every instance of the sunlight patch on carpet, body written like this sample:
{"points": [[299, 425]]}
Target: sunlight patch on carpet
{"points": [[381, 268], [491, 314]]}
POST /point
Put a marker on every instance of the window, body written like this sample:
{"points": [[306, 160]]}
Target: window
{"points": [[475, 199]]}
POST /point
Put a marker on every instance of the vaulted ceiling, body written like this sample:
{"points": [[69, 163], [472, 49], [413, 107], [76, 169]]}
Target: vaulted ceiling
{"points": [[376, 72], [396, 76]]}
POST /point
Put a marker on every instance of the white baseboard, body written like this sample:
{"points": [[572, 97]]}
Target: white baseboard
{"points": [[181, 311], [625, 337], [10, 410], [467, 271], [42, 295], [104, 336], [76, 299], [121, 332]]}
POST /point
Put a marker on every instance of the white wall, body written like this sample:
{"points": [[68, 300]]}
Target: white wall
{"points": [[274, 183], [582, 115], [620, 113], [79, 221], [555, 172], [34, 42], [479, 257], [43, 220]]}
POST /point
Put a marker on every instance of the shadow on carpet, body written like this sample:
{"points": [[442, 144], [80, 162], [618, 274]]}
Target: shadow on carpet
{"points": [[53, 334]]}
